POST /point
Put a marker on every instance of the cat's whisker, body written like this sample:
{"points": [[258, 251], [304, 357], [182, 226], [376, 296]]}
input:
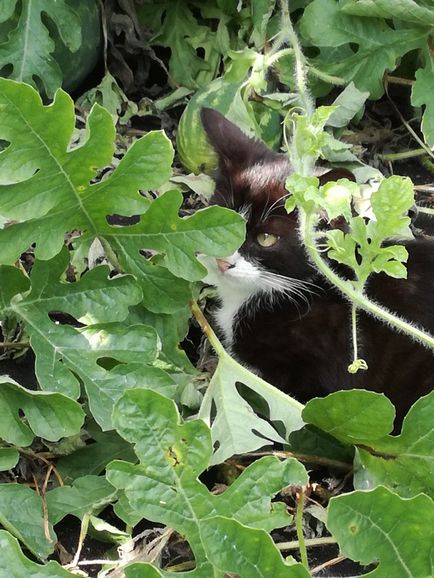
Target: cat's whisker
{"points": [[277, 204]]}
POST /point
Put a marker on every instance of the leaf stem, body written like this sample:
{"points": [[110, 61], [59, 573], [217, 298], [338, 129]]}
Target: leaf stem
{"points": [[319, 460], [15, 344], [300, 61], [357, 297], [309, 542], [403, 155], [111, 255], [206, 328], [336, 80], [299, 529]]}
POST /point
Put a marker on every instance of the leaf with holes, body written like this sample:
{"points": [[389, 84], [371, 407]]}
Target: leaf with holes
{"points": [[47, 190], [66, 354], [164, 487], [29, 46], [236, 428]]}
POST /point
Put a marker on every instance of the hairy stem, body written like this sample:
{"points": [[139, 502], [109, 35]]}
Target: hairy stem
{"points": [[403, 155], [206, 328], [357, 297], [300, 61]]}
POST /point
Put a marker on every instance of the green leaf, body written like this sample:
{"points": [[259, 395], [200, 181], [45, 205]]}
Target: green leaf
{"points": [[378, 45], [214, 231], [39, 153], [379, 525], [93, 458], [348, 103], [421, 95], [236, 429], [337, 198], [390, 203], [352, 416], [29, 46], [15, 565], [64, 352], [50, 416], [403, 463], [261, 11], [86, 495], [406, 10], [141, 570], [181, 32], [164, 487], [251, 554], [26, 522], [8, 458]]}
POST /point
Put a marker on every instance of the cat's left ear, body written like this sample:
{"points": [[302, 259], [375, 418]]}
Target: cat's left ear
{"points": [[235, 150]]}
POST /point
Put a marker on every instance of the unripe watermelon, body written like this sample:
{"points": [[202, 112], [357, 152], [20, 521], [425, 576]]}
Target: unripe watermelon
{"points": [[194, 151]]}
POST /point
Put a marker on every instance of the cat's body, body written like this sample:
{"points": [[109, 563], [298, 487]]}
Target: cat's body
{"points": [[279, 317]]}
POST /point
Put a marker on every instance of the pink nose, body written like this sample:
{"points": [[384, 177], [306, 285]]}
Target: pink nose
{"points": [[224, 265]]}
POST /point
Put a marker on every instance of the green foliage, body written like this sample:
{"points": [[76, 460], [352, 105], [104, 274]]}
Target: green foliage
{"points": [[84, 496], [109, 336], [15, 564], [369, 526], [356, 416], [237, 429], [164, 486], [8, 458], [26, 522], [403, 463], [48, 415], [49, 54]]}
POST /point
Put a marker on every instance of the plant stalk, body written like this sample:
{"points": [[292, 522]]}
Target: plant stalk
{"points": [[357, 297], [299, 529]]}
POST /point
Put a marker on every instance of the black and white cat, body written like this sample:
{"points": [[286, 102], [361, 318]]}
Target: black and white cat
{"points": [[278, 316]]}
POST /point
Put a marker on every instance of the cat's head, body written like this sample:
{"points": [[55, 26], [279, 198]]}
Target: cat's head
{"points": [[251, 180]]}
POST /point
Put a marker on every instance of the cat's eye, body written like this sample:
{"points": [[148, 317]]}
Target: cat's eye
{"points": [[267, 239]]}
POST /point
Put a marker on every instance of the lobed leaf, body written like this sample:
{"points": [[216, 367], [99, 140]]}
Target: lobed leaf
{"points": [[164, 487], [379, 46], [404, 463], [248, 552], [85, 496], [50, 416], [29, 47], [422, 90], [236, 428], [64, 352], [381, 526]]}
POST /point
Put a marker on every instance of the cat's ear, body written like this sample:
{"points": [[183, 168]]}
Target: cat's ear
{"points": [[235, 150]]}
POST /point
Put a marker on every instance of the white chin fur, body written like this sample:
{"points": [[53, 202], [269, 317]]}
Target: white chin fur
{"points": [[234, 286]]}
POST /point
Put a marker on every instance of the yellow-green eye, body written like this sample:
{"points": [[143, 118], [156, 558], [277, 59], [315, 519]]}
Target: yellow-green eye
{"points": [[267, 239]]}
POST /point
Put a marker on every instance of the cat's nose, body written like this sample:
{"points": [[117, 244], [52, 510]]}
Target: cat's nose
{"points": [[224, 265]]}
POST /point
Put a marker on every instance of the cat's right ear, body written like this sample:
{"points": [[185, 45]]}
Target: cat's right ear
{"points": [[235, 150]]}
